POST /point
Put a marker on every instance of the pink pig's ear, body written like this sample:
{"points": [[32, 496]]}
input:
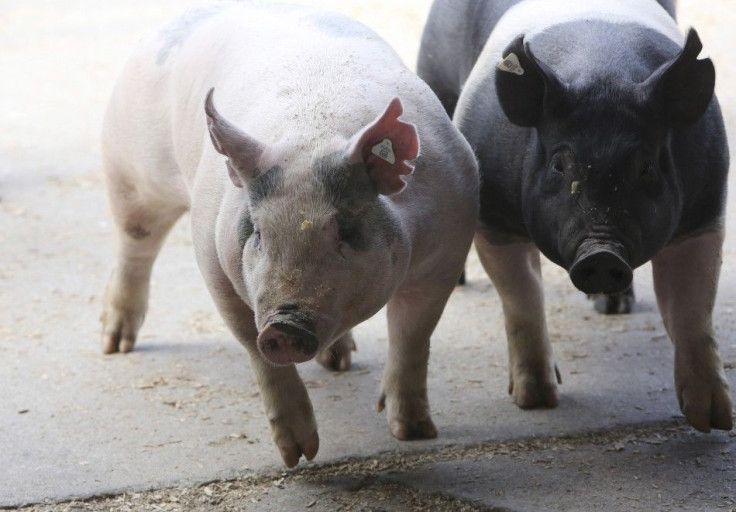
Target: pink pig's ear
{"points": [[384, 146], [242, 150]]}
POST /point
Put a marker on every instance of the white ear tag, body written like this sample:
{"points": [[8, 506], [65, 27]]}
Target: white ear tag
{"points": [[385, 151], [511, 65]]}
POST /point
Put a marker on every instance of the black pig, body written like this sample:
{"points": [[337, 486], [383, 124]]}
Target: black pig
{"points": [[601, 145]]}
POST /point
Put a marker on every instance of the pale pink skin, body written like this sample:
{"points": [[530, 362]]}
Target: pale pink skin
{"points": [[685, 282], [289, 103]]}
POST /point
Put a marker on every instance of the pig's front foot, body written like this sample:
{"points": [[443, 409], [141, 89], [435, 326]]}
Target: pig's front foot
{"points": [[703, 391], [685, 281], [408, 416], [337, 356], [294, 428], [532, 389]]}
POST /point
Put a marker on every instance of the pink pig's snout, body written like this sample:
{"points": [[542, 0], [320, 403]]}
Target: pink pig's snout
{"points": [[283, 344]]}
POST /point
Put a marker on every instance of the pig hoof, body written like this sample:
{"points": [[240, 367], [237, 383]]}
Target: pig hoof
{"points": [[119, 330], [532, 392], [309, 448], [333, 359], [613, 304], [337, 357], [619, 304], [408, 431], [707, 408]]}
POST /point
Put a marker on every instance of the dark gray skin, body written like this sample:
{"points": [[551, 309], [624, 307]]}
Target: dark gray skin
{"points": [[608, 151], [453, 39]]}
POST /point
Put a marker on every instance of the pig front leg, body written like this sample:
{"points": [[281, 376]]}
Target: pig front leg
{"points": [[685, 282], [288, 408], [413, 313], [285, 399], [516, 274]]}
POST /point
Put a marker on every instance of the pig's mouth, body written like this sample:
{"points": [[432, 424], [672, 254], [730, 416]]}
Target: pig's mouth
{"points": [[284, 341], [601, 266]]}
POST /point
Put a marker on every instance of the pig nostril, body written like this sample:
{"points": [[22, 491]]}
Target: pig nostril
{"points": [[272, 344], [617, 274], [587, 273]]}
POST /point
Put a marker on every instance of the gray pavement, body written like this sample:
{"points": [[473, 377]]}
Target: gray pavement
{"points": [[181, 416]]}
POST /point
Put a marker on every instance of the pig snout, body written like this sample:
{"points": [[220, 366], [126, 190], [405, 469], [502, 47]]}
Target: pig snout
{"points": [[601, 267], [284, 344]]}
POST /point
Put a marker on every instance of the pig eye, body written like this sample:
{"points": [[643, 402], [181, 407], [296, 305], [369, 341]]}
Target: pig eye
{"points": [[349, 231], [257, 238]]}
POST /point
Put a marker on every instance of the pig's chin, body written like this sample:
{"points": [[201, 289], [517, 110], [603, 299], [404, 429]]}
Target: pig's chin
{"points": [[280, 359]]}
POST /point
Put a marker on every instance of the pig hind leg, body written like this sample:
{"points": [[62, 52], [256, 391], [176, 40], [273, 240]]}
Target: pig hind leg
{"points": [[685, 282], [141, 228], [516, 274], [338, 355]]}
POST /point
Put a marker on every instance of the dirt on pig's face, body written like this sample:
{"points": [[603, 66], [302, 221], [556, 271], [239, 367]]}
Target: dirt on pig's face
{"points": [[322, 251]]}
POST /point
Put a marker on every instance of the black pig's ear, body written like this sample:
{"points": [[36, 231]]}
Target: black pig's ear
{"points": [[680, 90], [524, 85], [241, 150]]}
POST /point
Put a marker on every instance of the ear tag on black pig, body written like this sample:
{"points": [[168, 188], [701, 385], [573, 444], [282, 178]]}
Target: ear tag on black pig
{"points": [[385, 151], [511, 64]]}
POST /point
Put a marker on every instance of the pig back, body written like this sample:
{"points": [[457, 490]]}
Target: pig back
{"points": [[291, 77]]}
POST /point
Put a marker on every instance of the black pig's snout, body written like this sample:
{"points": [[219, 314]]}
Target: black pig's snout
{"points": [[601, 269]]}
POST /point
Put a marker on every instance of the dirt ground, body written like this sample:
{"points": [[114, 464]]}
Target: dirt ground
{"points": [[177, 425]]}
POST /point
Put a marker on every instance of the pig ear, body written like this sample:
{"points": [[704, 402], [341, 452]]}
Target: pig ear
{"points": [[384, 146], [242, 150], [524, 85], [681, 89]]}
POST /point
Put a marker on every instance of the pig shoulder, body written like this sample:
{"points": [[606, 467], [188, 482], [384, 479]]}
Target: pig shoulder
{"points": [[701, 161], [440, 201]]}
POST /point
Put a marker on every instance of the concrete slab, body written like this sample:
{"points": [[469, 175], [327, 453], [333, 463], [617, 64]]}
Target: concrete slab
{"points": [[656, 467], [184, 409], [667, 470]]}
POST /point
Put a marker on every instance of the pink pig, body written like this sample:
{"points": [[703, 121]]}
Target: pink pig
{"points": [[331, 185]]}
